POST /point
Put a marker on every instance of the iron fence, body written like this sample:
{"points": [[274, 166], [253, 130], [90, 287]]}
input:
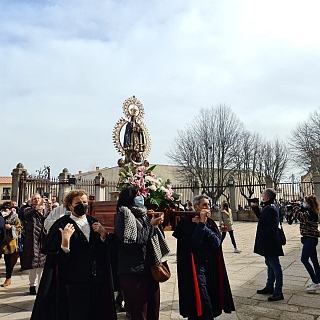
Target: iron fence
{"points": [[185, 192], [45, 187], [87, 185], [109, 190], [243, 192]]}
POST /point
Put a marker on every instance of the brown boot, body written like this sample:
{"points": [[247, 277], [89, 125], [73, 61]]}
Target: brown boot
{"points": [[6, 283]]}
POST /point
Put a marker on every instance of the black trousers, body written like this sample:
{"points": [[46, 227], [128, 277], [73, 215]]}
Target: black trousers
{"points": [[9, 266]]}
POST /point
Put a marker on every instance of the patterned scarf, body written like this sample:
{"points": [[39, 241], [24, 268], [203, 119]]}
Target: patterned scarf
{"points": [[159, 246], [10, 220], [130, 223], [158, 243]]}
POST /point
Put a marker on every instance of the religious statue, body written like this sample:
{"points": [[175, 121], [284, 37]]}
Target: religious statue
{"points": [[133, 136], [136, 141]]}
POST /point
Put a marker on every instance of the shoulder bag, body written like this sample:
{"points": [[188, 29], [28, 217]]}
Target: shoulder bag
{"points": [[160, 272]]}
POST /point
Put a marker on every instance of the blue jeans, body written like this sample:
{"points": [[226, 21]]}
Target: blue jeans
{"points": [[274, 274], [309, 250], [231, 237]]}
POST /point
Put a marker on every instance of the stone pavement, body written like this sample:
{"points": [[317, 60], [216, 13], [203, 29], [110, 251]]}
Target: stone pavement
{"points": [[246, 271]]}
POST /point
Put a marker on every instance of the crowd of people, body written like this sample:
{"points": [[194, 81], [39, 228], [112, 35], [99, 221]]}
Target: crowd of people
{"points": [[77, 266]]}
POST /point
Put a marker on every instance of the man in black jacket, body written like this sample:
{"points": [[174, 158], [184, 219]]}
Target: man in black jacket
{"points": [[268, 244]]}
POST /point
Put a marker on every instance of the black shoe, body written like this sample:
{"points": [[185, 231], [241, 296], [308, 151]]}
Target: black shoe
{"points": [[265, 291], [33, 291], [276, 297]]}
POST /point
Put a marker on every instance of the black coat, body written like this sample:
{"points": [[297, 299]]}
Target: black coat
{"points": [[32, 257], [2, 230], [267, 241], [86, 266], [219, 289]]}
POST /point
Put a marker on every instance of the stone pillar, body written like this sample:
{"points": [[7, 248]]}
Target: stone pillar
{"points": [[269, 182], [196, 188], [16, 176], [233, 200], [98, 189], [316, 184], [63, 183]]}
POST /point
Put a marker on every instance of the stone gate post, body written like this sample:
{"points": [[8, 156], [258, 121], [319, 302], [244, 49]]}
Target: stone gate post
{"points": [[316, 184], [63, 183], [233, 200], [269, 182], [196, 188], [16, 176], [98, 180]]}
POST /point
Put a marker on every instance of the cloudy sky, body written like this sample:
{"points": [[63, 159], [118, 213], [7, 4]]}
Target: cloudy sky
{"points": [[67, 66]]}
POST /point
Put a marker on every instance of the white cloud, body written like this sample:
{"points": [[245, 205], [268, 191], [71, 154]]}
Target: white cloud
{"points": [[67, 67]]}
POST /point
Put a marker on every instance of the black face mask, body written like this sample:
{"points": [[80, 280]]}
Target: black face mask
{"points": [[80, 209]]}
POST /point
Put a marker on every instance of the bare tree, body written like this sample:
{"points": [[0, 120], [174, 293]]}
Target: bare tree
{"points": [[274, 160], [305, 143], [249, 163], [205, 149]]}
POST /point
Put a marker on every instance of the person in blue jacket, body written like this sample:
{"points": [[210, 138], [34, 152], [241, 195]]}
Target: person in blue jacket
{"points": [[204, 290]]}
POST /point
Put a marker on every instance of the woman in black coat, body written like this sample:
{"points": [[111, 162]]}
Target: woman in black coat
{"points": [[76, 281]]}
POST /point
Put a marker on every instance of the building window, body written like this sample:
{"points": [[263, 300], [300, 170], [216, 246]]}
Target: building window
{"points": [[6, 195]]}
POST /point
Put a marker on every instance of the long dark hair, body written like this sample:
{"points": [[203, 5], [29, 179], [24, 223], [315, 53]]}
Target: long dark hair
{"points": [[126, 197], [313, 202], [225, 205]]}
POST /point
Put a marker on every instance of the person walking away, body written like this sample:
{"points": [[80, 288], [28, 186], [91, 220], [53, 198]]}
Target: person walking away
{"points": [[308, 215], [267, 244], [226, 225], [10, 245]]}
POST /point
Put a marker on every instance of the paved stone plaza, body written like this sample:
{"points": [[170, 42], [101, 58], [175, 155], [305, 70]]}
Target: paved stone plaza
{"points": [[247, 273]]}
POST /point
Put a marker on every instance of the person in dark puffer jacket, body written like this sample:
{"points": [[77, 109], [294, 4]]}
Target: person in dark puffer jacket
{"points": [[32, 258]]}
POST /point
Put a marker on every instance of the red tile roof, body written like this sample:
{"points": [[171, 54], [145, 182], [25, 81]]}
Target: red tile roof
{"points": [[4, 180]]}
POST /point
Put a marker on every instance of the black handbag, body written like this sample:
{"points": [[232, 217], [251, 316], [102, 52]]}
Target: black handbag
{"points": [[282, 236]]}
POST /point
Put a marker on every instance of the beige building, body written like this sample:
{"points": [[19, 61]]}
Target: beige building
{"points": [[112, 174], [5, 188]]}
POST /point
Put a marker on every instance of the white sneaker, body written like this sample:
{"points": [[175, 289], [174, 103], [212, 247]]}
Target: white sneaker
{"points": [[236, 250], [309, 284], [313, 287]]}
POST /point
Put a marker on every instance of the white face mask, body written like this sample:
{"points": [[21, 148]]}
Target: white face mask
{"points": [[262, 200], [4, 213]]}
